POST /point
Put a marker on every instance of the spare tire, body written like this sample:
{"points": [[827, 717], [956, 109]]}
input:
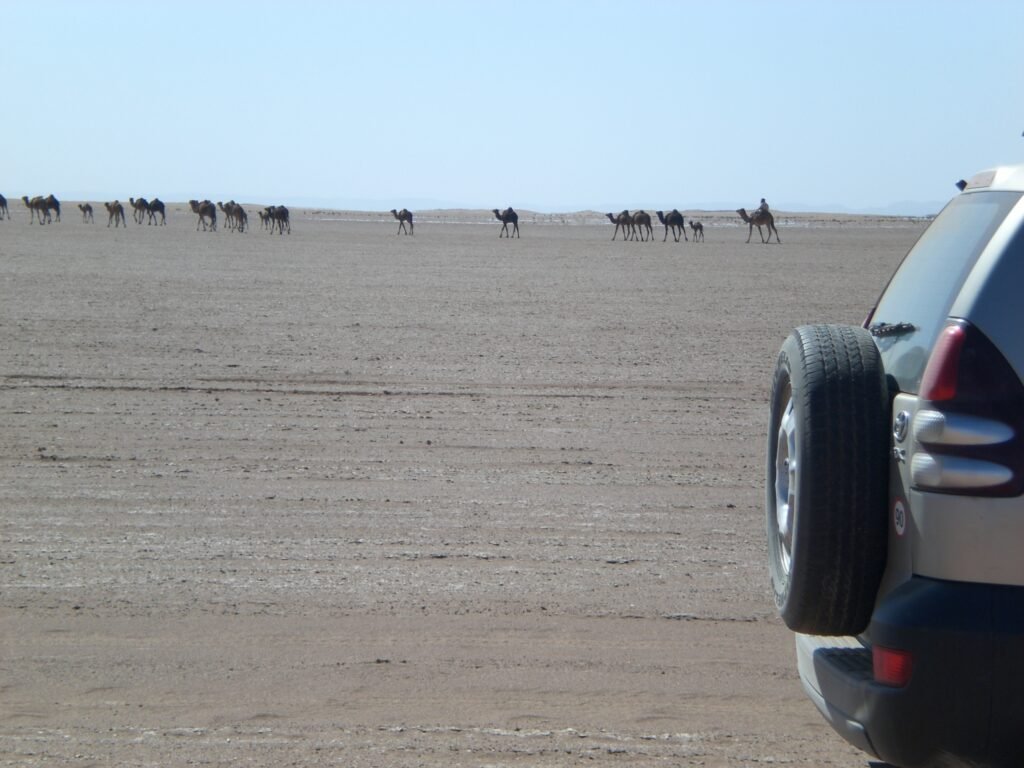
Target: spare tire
{"points": [[827, 479]]}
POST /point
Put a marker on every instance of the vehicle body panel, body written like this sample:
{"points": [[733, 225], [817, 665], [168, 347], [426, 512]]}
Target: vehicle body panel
{"points": [[953, 589]]}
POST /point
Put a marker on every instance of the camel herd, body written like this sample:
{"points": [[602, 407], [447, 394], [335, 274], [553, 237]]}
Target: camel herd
{"points": [[637, 225], [634, 226], [273, 217]]}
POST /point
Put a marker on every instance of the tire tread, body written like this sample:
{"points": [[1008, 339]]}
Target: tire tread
{"points": [[840, 548]]}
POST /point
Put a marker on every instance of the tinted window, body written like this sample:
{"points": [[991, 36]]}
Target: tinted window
{"points": [[923, 288]]}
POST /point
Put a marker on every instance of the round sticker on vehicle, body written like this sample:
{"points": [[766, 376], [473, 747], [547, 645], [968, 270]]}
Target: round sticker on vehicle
{"points": [[899, 517]]}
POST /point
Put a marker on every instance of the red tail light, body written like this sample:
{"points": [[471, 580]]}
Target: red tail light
{"points": [[940, 376], [891, 667], [969, 429]]}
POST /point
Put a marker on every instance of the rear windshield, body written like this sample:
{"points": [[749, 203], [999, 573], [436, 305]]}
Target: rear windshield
{"points": [[922, 290]]}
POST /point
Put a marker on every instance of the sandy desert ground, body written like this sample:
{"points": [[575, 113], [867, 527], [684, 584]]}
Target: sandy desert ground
{"points": [[349, 498]]}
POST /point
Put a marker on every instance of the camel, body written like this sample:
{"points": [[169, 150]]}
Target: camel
{"points": [[623, 220], [760, 219], [698, 230], [403, 216], [4, 213], [51, 203], [506, 217], [86, 210], [156, 206], [674, 220], [641, 220], [234, 215], [41, 206], [264, 219], [140, 208], [54, 204], [33, 206], [115, 214], [204, 210], [279, 217]]}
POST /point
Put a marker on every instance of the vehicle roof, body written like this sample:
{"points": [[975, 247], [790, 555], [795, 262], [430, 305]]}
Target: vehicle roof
{"points": [[1004, 177]]}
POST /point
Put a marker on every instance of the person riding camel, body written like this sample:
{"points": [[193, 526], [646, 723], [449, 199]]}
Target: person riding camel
{"points": [[763, 208]]}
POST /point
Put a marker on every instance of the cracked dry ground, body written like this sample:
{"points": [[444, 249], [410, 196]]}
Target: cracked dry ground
{"points": [[344, 498]]}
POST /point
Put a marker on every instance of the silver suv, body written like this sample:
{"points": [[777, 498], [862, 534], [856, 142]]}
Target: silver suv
{"points": [[894, 502]]}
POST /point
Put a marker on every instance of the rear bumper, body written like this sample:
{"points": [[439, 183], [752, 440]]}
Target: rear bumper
{"points": [[965, 699], [835, 688]]}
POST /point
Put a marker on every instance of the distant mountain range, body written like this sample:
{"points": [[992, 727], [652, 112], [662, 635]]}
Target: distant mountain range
{"points": [[902, 208]]}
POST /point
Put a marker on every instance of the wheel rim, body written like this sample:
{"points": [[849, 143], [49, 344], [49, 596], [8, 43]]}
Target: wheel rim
{"points": [[786, 467]]}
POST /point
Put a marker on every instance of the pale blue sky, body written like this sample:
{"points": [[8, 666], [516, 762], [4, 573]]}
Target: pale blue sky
{"points": [[552, 105]]}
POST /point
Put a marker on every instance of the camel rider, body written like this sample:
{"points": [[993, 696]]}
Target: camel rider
{"points": [[763, 207]]}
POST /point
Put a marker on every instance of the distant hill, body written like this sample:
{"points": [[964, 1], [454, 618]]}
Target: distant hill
{"points": [[902, 208]]}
